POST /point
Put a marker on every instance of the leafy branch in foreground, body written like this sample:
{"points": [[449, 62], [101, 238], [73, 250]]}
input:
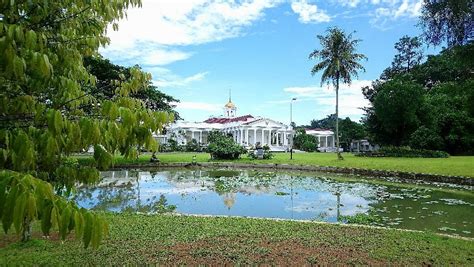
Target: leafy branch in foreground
{"points": [[24, 199], [47, 112]]}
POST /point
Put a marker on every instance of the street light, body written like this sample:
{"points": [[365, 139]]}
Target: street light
{"points": [[291, 123]]}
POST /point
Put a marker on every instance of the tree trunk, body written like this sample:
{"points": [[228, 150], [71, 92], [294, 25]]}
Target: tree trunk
{"points": [[339, 156], [26, 232]]}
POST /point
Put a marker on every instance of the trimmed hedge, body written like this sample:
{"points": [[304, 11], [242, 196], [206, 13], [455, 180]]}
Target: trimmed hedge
{"points": [[404, 152]]}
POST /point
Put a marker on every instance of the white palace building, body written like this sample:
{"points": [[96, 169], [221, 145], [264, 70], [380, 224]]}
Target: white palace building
{"points": [[246, 130]]}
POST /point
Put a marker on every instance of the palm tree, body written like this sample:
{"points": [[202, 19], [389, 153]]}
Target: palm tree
{"points": [[339, 62]]}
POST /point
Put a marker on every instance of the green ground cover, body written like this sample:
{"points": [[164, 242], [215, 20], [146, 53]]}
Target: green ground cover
{"points": [[454, 165], [138, 239]]}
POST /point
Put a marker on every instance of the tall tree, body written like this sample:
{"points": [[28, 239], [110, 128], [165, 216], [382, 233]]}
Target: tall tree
{"points": [[46, 113], [399, 108], [339, 61], [409, 54], [448, 20], [106, 73]]}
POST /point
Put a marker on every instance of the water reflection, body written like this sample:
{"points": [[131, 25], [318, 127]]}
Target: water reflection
{"points": [[281, 195]]}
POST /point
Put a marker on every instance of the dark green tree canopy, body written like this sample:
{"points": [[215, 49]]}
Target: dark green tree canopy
{"points": [[437, 115], [409, 54], [107, 73], [448, 20], [304, 141]]}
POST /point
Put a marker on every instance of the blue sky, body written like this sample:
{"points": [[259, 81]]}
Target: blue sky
{"points": [[198, 50]]}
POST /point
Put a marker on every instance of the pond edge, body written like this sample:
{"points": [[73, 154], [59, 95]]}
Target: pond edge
{"points": [[411, 176]]}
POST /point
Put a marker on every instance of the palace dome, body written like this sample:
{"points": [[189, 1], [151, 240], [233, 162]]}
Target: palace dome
{"points": [[230, 105]]}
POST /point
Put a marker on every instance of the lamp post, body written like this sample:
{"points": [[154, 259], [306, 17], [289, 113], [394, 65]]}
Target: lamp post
{"points": [[291, 122]]}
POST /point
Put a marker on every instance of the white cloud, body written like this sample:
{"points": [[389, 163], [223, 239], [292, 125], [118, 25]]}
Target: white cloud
{"points": [[350, 97], [165, 56], [350, 3], [309, 13], [186, 22], [198, 106], [171, 80], [384, 16]]}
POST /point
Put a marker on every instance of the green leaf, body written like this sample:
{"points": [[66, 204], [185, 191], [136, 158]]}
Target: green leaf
{"points": [[88, 228]]}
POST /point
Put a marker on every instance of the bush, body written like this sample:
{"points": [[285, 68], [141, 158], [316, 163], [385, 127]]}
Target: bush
{"points": [[305, 142], [223, 147], [405, 152], [425, 138], [267, 154], [193, 146]]}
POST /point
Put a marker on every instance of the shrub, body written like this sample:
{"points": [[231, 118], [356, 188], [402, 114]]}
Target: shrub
{"points": [[193, 146], [425, 138], [223, 147], [405, 152], [267, 154], [305, 142]]}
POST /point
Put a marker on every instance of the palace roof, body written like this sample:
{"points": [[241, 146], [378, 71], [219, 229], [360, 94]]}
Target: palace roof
{"points": [[228, 120]]}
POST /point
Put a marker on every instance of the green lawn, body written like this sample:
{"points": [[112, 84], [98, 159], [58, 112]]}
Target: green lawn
{"points": [[139, 239], [455, 165]]}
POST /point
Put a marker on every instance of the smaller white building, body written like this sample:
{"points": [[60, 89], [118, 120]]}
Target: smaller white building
{"points": [[325, 139]]}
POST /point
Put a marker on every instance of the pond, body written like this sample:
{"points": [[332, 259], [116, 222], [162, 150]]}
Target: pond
{"points": [[299, 196]]}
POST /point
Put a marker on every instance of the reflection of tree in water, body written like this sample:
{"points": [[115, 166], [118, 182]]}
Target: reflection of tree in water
{"points": [[121, 190], [120, 194]]}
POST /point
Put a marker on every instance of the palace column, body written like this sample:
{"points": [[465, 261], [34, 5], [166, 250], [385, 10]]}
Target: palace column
{"points": [[192, 135], [269, 136], [241, 136], [277, 138], [200, 137], [333, 145], [326, 141], [263, 137], [246, 136], [254, 136]]}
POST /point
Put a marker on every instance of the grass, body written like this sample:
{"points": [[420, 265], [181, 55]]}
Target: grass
{"points": [[454, 165], [151, 239]]}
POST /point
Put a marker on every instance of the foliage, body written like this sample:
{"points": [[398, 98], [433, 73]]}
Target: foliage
{"points": [[222, 146], [46, 111], [399, 109], [24, 199], [425, 138], [437, 115], [405, 152], [349, 130], [410, 54], [304, 141], [447, 20], [360, 218], [339, 62], [107, 73], [193, 146], [326, 123], [267, 153]]}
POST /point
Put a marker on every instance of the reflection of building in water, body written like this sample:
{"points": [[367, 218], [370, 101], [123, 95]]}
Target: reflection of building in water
{"points": [[229, 200]]}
